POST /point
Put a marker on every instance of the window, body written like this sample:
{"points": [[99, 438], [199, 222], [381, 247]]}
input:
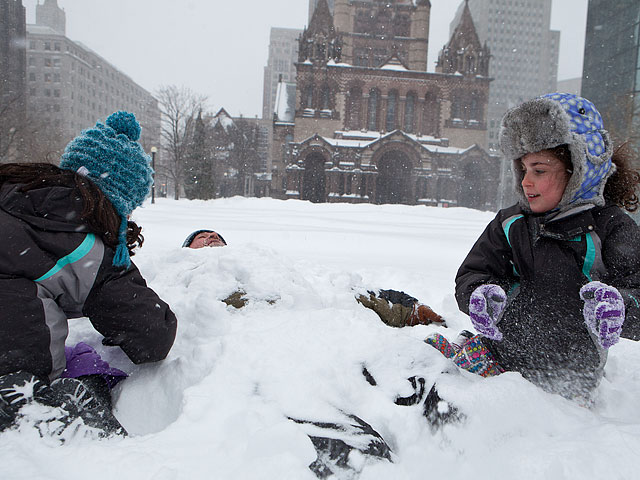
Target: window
{"points": [[56, 46], [354, 108], [325, 98], [392, 104], [32, 45], [47, 45], [372, 119], [409, 112], [32, 77], [47, 62], [47, 77], [308, 97]]}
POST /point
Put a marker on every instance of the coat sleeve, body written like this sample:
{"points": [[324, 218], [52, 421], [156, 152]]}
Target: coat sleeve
{"points": [[130, 315], [489, 261], [621, 256]]}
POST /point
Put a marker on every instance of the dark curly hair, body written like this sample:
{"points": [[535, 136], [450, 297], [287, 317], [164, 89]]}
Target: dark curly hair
{"points": [[98, 212], [621, 187]]}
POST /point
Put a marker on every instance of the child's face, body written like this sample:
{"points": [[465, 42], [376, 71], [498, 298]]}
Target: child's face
{"points": [[544, 181], [207, 239]]}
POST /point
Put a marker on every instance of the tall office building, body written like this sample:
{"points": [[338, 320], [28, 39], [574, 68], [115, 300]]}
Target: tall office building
{"points": [[524, 52], [12, 77], [49, 14], [70, 87], [524, 60], [283, 53], [611, 69]]}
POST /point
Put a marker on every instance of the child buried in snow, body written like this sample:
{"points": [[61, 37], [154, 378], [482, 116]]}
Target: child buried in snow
{"points": [[554, 281], [396, 309]]}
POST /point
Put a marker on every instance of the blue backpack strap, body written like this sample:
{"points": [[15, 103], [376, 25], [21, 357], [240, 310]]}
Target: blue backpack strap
{"points": [[506, 226]]}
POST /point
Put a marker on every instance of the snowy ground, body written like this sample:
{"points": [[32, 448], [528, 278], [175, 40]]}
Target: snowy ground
{"points": [[218, 406]]}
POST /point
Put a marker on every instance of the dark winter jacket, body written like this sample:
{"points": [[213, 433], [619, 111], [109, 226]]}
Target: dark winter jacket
{"points": [[542, 262], [53, 268]]}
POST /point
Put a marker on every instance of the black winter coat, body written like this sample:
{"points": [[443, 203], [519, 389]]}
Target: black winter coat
{"points": [[53, 268], [542, 263]]}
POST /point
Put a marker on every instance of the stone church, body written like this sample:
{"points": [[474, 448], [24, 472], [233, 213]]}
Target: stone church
{"points": [[366, 122]]}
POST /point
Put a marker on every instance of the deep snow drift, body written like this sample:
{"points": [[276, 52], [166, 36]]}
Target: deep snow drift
{"points": [[219, 405]]}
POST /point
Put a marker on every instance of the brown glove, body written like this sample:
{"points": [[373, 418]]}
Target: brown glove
{"points": [[423, 315]]}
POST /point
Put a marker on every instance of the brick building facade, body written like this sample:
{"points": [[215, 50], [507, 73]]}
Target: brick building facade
{"points": [[368, 123]]}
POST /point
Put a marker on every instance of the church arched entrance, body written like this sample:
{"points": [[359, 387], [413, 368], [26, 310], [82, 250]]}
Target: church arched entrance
{"points": [[313, 181], [393, 184]]}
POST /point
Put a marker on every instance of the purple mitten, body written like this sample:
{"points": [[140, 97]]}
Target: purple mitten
{"points": [[603, 312], [84, 360], [485, 307]]}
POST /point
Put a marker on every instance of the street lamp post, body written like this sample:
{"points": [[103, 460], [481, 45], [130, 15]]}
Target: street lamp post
{"points": [[154, 150]]}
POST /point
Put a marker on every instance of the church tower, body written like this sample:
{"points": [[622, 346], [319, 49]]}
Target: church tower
{"points": [[319, 42], [464, 53]]}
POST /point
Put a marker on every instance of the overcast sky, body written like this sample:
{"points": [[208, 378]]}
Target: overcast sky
{"points": [[219, 47]]}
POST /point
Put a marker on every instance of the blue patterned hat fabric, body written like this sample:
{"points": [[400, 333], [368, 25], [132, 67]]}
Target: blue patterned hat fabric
{"points": [[557, 119], [111, 157], [586, 121]]}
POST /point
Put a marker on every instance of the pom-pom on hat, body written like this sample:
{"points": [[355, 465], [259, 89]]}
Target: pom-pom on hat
{"points": [[557, 119], [111, 157]]}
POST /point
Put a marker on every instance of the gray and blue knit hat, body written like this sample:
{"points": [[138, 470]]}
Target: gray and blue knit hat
{"points": [[557, 119], [111, 157]]}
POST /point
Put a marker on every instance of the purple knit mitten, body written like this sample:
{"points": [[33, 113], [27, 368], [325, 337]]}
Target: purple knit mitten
{"points": [[603, 312], [485, 307]]}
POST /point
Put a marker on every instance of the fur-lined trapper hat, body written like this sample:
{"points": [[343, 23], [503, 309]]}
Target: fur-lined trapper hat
{"points": [[558, 119]]}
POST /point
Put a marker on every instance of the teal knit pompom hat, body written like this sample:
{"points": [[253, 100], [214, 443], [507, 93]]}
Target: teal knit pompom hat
{"points": [[111, 157]]}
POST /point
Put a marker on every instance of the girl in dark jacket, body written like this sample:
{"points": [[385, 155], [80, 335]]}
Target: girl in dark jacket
{"points": [[66, 248], [554, 281]]}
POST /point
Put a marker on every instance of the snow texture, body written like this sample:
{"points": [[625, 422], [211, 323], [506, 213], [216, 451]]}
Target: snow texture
{"points": [[220, 406]]}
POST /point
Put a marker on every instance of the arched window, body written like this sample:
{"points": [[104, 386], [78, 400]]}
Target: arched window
{"points": [[372, 120], [307, 97], [392, 106], [475, 110], [471, 64], [409, 112], [325, 98], [354, 108], [431, 115]]}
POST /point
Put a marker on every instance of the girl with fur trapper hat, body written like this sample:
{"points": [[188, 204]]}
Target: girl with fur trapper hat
{"points": [[554, 281], [65, 253]]}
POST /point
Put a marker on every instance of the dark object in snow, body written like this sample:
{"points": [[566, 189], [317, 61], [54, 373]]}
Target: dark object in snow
{"points": [[367, 375], [418, 384], [334, 443], [439, 412], [85, 398], [80, 400]]}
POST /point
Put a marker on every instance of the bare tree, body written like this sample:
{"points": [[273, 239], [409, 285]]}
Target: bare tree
{"points": [[179, 107], [12, 124]]}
